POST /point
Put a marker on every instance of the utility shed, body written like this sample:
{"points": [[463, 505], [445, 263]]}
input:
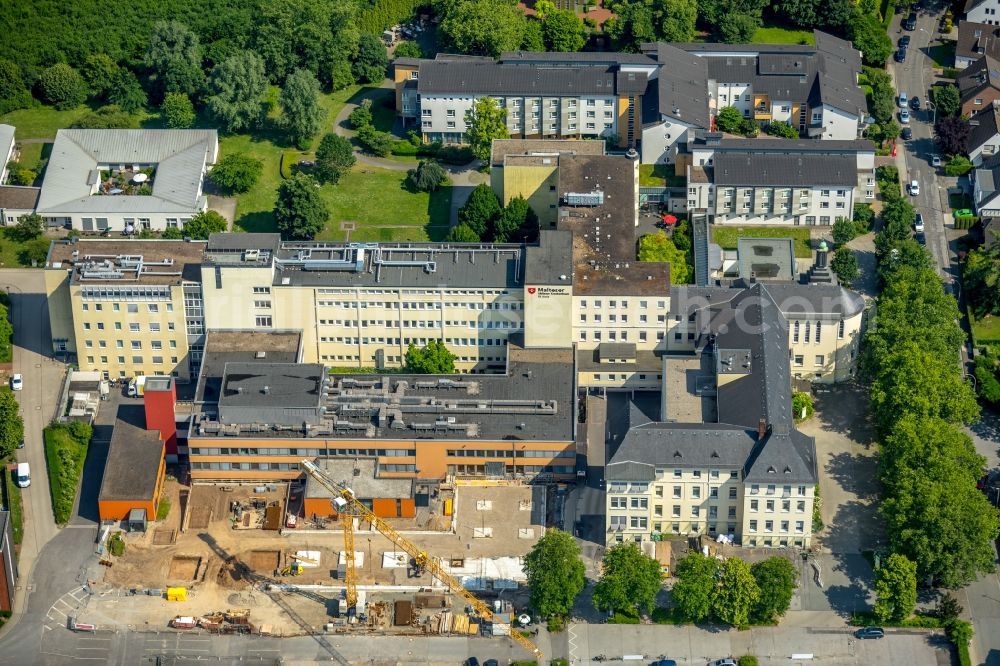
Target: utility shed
{"points": [[133, 474]]}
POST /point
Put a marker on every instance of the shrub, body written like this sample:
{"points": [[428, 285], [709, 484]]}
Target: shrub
{"points": [[62, 86], [237, 172], [748, 660], [403, 148], [163, 509], [950, 72], [623, 618], [23, 176], [800, 402], [361, 115], [556, 624], [116, 544], [289, 158], [427, 177], [457, 155]]}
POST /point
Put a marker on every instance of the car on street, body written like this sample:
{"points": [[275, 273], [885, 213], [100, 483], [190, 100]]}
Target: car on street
{"points": [[723, 662], [20, 444], [918, 223], [664, 662], [910, 23], [935, 160], [471, 661], [906, 133], [16, 382], [903, 42], [491, 662], [900, 55], [869, 632], [922, 239], [904, 116], [915, 103], [901, 100], [914, 188]]}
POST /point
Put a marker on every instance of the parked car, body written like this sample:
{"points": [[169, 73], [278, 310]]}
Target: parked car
{"points": [[918, 223], [664, 662], [23, 475], [723, 662], [935, 160], [901, 100], [922, 239], [491, 662], [906, 133], [915, 103], [910, 23], [16, 382], [904, 116], [471, 661], [20, 444], [870, 632], [914, 188], [903, 42], [900, 55]]}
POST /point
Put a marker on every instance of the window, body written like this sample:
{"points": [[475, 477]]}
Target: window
{"points": [[840, 329], [264, 322], [753, 525], [800, 526], [795, 332], [768, 525], [153, 307], [677, 473], [799, 359], [696, 492], [754, 505], [619, 502], [638, 522], [133, 327], [800, 506], [133, 308], [136, 344], [820, 358], [819, 330], [802, 491], [769, 505], [154, 327], [695, 511], [262, 304], [676, 511], [262, 290], [677, 492], [786, 506], [640, 503], [732, 493]]}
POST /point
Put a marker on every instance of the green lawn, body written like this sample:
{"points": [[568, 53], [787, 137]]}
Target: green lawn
{"points": [[65, 450], [42, 122], [777, 35], [14, 504], [726, 237], [958, 200], [943, 54], [986, 330]]}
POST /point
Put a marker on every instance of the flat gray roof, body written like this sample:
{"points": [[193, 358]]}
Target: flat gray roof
{"points": [[266, 384], [239, 346], [362, 476], [476, 77]]}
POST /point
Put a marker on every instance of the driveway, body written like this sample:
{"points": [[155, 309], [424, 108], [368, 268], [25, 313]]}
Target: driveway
{"points": [[43, 377]]}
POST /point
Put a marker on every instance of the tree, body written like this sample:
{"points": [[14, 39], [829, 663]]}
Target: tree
{"points": [[341, 75], [334, 158], [951, 134], [110, 116], [480, 209], [408, 50], [301, 113], [844, 231], [555, 573], [126, 92], [896, 589], [427, 177], [775, 578], [300, 211], [563, 31], [483, 27], [462, 233], [532, 39], [178, 111], [173, 58], [237, 172], [434, 359], [883, 99], [11, 424], [516, 223], [99, 70], [361, 115], [372, 60], [869, 36], [677, 20], [14, 93], [845, 266], [982, 280], [947, 100], [237, 89], [632, 27], [958, 165], [738, 28], [784, 130], [485, 121], [377, 143], [62, 86], [737, 594], [28, 226], [205, 223], [695, 586], [948, 607], [729, 120], [6, 333], [22, 175], [658, 247], [543, 8], [629, 580]]}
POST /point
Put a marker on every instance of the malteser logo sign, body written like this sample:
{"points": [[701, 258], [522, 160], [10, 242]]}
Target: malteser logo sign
{"points": [[548, 292]]}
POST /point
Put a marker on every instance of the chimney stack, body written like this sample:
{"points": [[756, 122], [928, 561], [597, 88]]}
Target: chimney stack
{"points": [[761, 429]]}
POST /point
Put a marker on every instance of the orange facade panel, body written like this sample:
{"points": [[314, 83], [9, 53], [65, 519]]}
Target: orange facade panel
{"points": [[318, 506], [385, 508], [407, 508], [118, 509]]}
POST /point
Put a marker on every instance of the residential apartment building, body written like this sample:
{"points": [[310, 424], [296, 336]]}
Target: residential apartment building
{"points": [[812, 88], [986, 12], [984, 135], [975, 40], [126, 308], [260, 410], [979, 85], [742, 469], [778, 181], [124, 181], [545, 95]]}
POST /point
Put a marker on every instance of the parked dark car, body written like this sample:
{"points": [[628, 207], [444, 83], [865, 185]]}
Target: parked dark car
{"points": [[903, 42], [870, 632], [900, 55], [664, 662], [906, 133], [922, 239], [911, 22], [915, 103]]}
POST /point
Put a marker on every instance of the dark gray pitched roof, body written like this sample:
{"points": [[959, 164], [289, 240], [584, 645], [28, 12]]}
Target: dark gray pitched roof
{"points": [[682, 86], [578, 57], [984, 126], [680, 445], [487, 77], [792, 298], [783, 457], [979, 76], [793, 146], [977, 39], [775, 170]]}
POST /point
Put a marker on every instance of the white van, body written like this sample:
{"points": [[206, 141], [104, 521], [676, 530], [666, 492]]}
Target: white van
{"points": [[23, 477]]}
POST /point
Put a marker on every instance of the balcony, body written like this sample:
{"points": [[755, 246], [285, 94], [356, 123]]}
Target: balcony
{"points": [[762, 113]]}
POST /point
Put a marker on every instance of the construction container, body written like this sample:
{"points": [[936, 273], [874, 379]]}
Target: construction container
{"points": [[177, 594], [183, 622], [448, 506]]}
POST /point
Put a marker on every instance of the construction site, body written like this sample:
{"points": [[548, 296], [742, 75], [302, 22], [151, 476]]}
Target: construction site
{"points": [[235, 547]]}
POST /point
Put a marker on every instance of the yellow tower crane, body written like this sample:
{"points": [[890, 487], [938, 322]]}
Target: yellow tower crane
{"points": [[346, 503]]}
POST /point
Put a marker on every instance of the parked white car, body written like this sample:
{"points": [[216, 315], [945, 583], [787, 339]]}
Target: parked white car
{"points": [[901, 100], [16, 382], [914, 188]]}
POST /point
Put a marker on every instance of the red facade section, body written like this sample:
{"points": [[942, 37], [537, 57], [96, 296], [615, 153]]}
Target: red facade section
{"points": [[160, 414]]}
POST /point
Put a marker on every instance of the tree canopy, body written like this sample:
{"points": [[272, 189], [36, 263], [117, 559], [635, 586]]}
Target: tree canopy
{"points": [[895, 589], [869, 36], [629, 580], [516, 223], [775, 578], [334, 159], [178, 111], [372, 60], [237, 172], [695, 586], [201, 225], [982, 279], [951, 134], [480, 209], [483, 27], [433, 359], [173, 59], [62, 86], [947, 100], [737, 594], [562, 30], [555, 573], [11, 424], [237, 89], [658, 247], [427, 177], [485, 121], [301, 113], [300, 211]]}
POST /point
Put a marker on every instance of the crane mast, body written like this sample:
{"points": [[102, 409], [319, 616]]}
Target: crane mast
{"points": [[344, 500]]}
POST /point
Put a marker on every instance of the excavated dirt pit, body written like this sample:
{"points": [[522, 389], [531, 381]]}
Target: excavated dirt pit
{"points": [[264, 560], [184, 568]]}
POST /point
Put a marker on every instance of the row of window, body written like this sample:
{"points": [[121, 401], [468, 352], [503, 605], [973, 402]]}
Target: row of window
{"points": [[131, 308], [411, 292], [597, 336], [598, 304], [621, 376], [422, 305], [813, 331], [800, 526], [597, 319], [398, 359], [378, 340], [425, 323], [786, 506], [480, 470], [305, 453], [136, 360], [507, 453], [819, 360], [136, 345]]}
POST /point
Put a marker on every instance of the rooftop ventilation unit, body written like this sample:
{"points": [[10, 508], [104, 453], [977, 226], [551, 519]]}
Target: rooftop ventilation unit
{"points": [[595, 198]]}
